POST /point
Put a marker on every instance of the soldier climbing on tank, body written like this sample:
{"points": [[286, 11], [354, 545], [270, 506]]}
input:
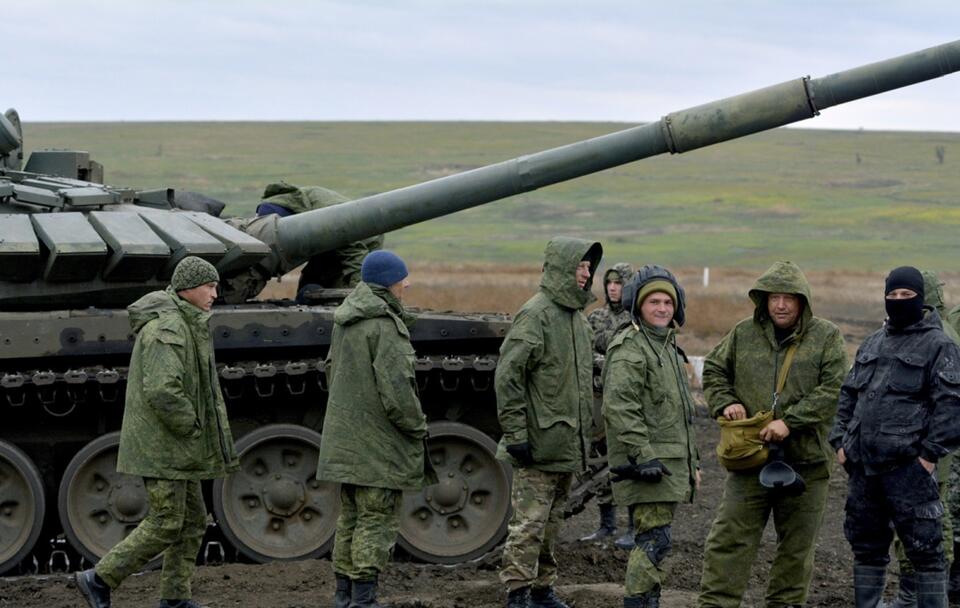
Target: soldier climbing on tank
{"points": [[339, 268], [899, 414], [174, 434], [544, 383], [606, 321], [648, 413], [789, 363], [372, 389]]}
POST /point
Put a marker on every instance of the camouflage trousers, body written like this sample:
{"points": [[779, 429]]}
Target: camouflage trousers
{"points": [[598, 449], [652, 522], [734, 539], [952, 497], [366, 530], [538, 501], [174, 526], [905, 566]]}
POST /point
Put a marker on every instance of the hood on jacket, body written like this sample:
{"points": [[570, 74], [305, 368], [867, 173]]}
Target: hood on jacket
{"points": [[150, 307], [368, 301], [782, 277], [299, 199], [560, 260], [933, 292], [621, 271]]}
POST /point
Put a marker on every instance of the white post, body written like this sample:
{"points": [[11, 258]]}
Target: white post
{"points": [[706, 276]]}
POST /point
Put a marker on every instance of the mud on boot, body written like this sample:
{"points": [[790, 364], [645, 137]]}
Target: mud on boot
{"points": [[92, 588], [608, 525], [364, 594], [906, 593], [519, 598], [627, 541], [544, 597]]}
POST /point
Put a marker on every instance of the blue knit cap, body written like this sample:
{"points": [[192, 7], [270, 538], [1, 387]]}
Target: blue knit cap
{"points": [[383, 267]]}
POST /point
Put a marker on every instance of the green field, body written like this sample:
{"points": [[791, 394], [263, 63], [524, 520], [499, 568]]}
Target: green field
{"points": [[789, 193]]}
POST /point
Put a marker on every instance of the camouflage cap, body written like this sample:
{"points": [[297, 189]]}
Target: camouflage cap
{"points": [[191, 272]]}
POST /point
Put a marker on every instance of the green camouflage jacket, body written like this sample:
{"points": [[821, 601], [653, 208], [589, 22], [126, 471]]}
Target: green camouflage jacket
{"points": [[339, 268], [174, 420], [743, 368], [607, 319], [648, 413], [374, 429], [544, 376], [933, 296]]}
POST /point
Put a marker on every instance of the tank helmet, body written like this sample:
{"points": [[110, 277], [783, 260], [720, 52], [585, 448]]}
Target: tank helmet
{"points": [[649, 273], [778, 476]]}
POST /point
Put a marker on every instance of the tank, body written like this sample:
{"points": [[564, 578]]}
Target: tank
{"points": [[75, 252]]}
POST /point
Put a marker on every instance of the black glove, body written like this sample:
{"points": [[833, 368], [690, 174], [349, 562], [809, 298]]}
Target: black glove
{"points": [[651, 471], [522, 452]]}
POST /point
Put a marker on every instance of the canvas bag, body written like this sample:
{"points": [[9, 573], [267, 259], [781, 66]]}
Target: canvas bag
{"points": [[740, 446]]}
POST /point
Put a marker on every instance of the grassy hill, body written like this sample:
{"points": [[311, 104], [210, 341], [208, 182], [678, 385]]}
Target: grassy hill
{"points": [[826, 199]]}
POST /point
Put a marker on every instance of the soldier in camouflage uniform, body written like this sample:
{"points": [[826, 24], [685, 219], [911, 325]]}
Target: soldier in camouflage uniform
{"points": [[606, 321], [739, 381], [339, 268], [952, 319], [372, 388], [946, 476], [174, 434], [648, 412], [544, 383]]}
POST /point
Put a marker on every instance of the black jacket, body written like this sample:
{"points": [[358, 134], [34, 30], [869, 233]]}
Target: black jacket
{"points": [[901, 400]]}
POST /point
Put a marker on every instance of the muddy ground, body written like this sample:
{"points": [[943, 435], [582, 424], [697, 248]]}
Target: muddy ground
{"points": [[591, 575]]}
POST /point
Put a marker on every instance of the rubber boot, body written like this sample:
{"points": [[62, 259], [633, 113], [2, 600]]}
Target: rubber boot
{"points": [[654, 600], [608, 525], [364, 594], [341, 598], [627, 540], [635, 601], [953, 584], [180, 604], [906, 594], [519, 598], [92, 588], [544, 597], [932, 589], [867, 585]]}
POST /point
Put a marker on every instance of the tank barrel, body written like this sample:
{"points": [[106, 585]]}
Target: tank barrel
{"points": [[302, 236]]}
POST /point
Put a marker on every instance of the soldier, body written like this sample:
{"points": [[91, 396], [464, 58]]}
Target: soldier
{"points": [[740, 380], [606, 321], [336, 269], [897, 416], [907, 591], [373, 388], [649, 421], [544, 401], [174, 434]]}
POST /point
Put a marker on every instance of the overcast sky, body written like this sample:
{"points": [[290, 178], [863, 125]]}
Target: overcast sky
{"points": [[597, 60]]}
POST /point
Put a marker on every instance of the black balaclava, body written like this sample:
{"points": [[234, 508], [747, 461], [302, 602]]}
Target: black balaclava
{"points": [[903, 313]]}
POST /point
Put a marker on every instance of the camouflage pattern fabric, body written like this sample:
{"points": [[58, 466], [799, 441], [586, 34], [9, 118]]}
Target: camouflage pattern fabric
{"points": [[538, 499], [373, 388], [643, 575], [544, 379], [735, 538], [174, 526], [649, 412], [334, 269], [174, 419], [366, 530], [948, 534], [192, 272]]}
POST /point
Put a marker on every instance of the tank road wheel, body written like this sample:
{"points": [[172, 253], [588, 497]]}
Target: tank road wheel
{"points": [[98, 506], [22, 505], [466, 514], [274, 508]]}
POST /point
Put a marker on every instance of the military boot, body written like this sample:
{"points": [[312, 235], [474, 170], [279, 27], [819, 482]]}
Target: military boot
{"points": [[519, 598], [92, 588], [906, 594], [932, 589], [364, 594], [341, 598], [635, 601], [180, 604], [627, 541], [544, 597], [608, 525], [953, 584], [867, 585]]}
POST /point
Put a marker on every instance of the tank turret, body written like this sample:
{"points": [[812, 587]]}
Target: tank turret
{"points": [[67, 241]]}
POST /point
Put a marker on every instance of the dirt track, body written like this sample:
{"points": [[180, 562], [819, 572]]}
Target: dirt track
{"points": [[591, 576]]}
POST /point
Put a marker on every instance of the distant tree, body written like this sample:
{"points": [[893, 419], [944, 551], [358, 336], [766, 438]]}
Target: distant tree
{"points": [[941, 152], [858, 158]]}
